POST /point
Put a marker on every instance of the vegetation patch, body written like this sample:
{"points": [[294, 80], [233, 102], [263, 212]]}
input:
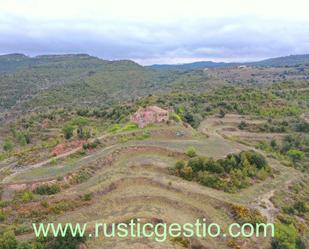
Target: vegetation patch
{"points": [[231, 174], [246, 215], [47, 189], [293, 148]]}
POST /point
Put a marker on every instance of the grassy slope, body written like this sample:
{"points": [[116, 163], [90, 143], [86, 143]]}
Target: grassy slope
{"points": [[142, 175]]}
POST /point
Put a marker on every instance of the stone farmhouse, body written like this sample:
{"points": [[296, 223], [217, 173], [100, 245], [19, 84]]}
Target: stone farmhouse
{"points": [[149, 115]]}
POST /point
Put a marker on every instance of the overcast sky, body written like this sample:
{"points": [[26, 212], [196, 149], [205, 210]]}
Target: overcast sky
{"points": [[156, 31]]}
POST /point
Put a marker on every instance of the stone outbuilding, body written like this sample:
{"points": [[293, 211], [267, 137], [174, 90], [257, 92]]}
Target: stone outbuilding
{"points": [[149, 115]]}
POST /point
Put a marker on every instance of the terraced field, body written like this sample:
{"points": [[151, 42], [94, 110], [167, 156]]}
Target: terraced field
{"points": [[130, 178]]}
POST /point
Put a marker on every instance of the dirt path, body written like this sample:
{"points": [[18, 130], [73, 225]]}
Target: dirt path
{"points": [[40, 164], [47, 161], [266, 207]]}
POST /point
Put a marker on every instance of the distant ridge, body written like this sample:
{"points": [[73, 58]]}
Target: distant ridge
{"points": [[28, 83], [291, 60], [16, 61], [193, 65]]}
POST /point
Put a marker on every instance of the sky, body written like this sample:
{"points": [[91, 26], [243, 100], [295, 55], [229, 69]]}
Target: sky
{"points": [[156, 31]]}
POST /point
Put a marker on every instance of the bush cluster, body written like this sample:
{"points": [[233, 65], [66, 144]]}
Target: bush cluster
{"points": [[234, 172], [47, 189]]}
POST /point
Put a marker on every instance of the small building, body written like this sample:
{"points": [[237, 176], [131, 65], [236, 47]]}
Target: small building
{"points": [[242, 67], [149, 115]]}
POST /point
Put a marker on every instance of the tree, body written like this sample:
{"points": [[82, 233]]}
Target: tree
{"points": [[84, 132], [213, 166], [285, 237], [68, 130], [187, 173], [22, 138], [259, 160], [191, 152], [179, 165], [196, 163], [8, 241], [273, 143], [193, 119]]}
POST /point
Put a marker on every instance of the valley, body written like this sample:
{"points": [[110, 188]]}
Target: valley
{"points": [[234, 148]]}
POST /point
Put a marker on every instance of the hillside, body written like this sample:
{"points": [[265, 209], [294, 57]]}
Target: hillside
{"points": [[292, 60], [44, 81], [289, 61], [231, 154], [49, 81], [23, 78]]}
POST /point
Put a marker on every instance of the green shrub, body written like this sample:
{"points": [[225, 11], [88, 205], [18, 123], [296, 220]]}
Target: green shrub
{"points": [[81, 176], [114, 128], [47, 189], [187, 173], [262, 174], [2, 215], [67, 242], [229, 174], [87, 197], [196, 163], [22, 138], [246, 215], [84, 132], [257, 159], [79, 121], [23, 245], [193, 119], [61, 206], [26, 196], [8, 241], [4, 204], [8, 145], [213, 166], [174, 116], [191, 152], [301, 207], [273, 143], [212, 181], [91, 145], [295, 155], [179, 165], [129, 127], [286, 237], [68, 130]]}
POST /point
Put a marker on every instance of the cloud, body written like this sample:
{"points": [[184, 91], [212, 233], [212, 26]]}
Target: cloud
{"points": [[173, 35]]}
